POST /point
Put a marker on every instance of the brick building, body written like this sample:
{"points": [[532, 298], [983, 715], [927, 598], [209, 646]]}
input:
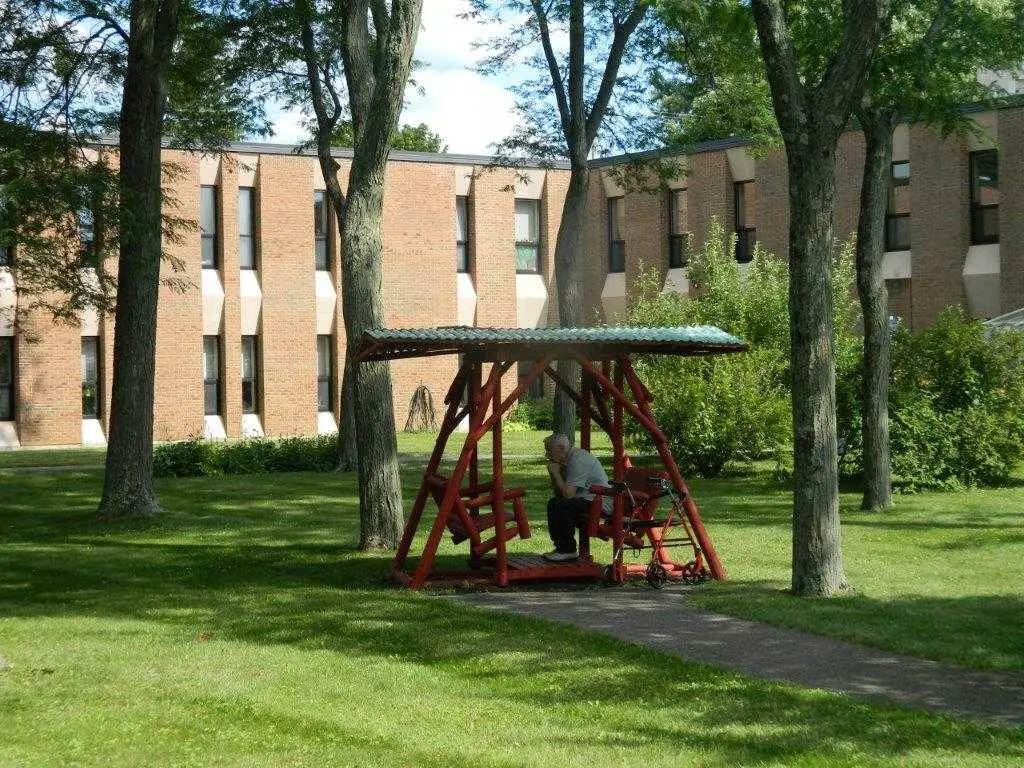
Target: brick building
{"points": [[256, 345]]}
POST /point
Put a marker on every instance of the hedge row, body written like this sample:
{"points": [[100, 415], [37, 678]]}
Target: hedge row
{"points": [[197, 458]]}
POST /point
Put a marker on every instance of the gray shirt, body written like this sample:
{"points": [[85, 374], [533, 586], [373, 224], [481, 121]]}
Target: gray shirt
{"points": [[582, 470]]}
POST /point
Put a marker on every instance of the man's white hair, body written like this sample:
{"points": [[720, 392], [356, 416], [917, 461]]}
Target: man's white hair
{"points": [[557, 439]]}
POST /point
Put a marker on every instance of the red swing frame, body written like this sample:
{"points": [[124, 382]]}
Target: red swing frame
{"points": [[610, 389]]}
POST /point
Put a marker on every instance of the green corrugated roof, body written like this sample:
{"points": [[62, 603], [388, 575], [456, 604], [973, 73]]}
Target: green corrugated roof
{"points": [[523, 343]]}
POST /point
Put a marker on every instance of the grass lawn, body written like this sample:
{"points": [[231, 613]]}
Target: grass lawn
{"points": [[242, 628], [52, 457]]}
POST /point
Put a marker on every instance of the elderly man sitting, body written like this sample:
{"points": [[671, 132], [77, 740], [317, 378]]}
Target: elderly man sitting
{"points": [[572, 471]]}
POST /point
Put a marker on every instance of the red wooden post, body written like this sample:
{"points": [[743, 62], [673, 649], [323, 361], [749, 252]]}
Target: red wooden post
{"points": [[475, 381], [451, 493], [498, 488], [692, 513], [585, 411], [447, 427]]}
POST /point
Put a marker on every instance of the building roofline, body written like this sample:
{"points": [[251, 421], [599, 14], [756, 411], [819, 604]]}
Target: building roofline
{"points": [[396, 155], [443, 158]]}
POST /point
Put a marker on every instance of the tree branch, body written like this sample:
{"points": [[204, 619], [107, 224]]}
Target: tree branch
{"points": [[556, 75], [359, 71], [780, 64], [623, 32], [863, 22]]}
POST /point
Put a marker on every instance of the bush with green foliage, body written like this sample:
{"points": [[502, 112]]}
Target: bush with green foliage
{"points": [[530, 414], [195, 458], [731, 408], [956, 406]]}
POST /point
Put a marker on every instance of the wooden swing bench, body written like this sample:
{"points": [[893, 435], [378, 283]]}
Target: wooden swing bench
{"points": [[488, 515]]}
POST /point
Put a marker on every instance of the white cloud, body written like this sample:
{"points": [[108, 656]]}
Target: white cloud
{"points": [[469, 111]]}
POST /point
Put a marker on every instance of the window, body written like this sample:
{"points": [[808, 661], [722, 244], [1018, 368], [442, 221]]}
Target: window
{"points": [[984, 197], [461, 234], [616, 241], [321, 230], [324, 374], [246, 228], [6, 378], [91, 377], [250, 375], [208, 225], [678, 237], [86, 234], [528, 236], [897, 219], [211, 375], [745, 207]]}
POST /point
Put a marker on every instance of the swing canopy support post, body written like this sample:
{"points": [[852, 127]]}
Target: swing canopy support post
{"points": [[490, 515]]}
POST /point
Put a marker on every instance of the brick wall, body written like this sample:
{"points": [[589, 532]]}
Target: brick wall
{"points": [[420, 279], [900, 298], [287, 276], [230, 332], [709, 195], [419, 270], [646, 233], [773, 214], [556, 185], [1011, 209], [178, 399], [940, 225], [849, 172], [48, 395]]}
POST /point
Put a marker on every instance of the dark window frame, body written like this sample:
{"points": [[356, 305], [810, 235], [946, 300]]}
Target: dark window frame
{"points": [[328, 381], [536, 245], [979, 212], [97, 396], [746, 236], [616, 248], [462, 258], [891, 243], [252, 237], [8, 390], [899, 181], [678, 242], [211, 237], [324, 236], [218, 383], [254, 382], [86, 245]]}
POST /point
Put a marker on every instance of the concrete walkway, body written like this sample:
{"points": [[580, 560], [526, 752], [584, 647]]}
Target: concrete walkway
{"points": [[664, 620]]}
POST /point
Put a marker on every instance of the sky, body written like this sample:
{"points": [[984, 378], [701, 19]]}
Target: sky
{"points": [[469, 111]]}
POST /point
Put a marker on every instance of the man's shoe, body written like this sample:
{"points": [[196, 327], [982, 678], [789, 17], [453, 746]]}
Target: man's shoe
{"points": [[561, 557]]}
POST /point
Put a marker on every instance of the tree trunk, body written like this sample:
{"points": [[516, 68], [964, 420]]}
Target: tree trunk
{"points": [[817, 554], [874, 301], [380, 489], [348, 448], [128, 483], [567, 280]]}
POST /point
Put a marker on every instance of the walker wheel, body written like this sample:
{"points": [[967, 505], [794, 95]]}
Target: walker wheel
{"points": [[656, 575], [608, 575], [693, 574]]}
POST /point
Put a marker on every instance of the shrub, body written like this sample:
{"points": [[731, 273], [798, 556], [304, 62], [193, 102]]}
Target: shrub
{"points": [[956, 406], [187, 458], [726, 408], [193, 458], [531, 414]]}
